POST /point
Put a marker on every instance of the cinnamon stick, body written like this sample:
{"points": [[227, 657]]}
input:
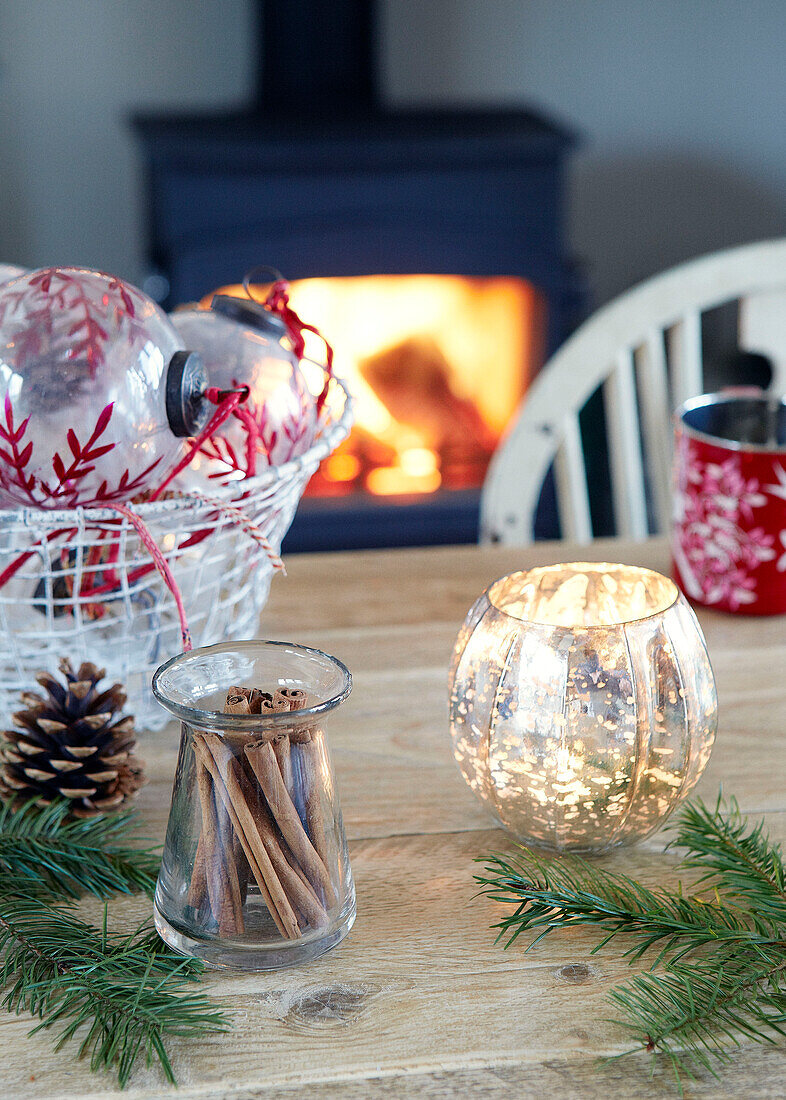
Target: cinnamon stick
{"points": [[197, 890], [256, 699], [225, 837], [236, 704], [295, 882], [300, 892], [254, 827], [241, 863], [295, 697], [298, 870], [219, 892], [204, 754], [297, 887], [283, 751], [298, 700], [225, 769], [312, 794], [262, 759], [281, 745], [274, 705]]}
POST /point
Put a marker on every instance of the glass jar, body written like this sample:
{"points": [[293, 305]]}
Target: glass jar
{"points": [[582, 703], [255, 871]]}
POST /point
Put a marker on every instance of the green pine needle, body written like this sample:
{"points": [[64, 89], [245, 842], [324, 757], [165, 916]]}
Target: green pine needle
{"points": [[57, 853], [127, 993], [719, 974], [704, 1008], [736, 859], [120, 996]]}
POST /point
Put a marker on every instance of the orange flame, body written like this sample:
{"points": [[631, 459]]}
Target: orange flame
{"points": [[437, 364]]}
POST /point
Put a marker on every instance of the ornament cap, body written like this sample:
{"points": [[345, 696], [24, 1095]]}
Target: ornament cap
{"points": [[186, 382], [249, 312]]}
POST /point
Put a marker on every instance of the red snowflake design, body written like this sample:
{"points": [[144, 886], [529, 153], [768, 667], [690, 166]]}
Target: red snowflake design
{"points": [[714, 553]]}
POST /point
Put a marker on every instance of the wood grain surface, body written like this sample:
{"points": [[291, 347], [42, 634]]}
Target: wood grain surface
{"points": [[419, 1001]]}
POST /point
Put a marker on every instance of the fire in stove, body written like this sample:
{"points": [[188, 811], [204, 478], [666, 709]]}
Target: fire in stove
{"points": [[437, 365]]}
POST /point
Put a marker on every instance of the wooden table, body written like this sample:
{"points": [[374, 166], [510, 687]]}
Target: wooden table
{"points": [[418, 1001]]}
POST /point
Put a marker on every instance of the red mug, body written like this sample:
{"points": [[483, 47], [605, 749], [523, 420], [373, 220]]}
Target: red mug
{"points": [[729, 519]]}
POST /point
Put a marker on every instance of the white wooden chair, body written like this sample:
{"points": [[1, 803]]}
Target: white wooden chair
{"points": [[645, 350]]}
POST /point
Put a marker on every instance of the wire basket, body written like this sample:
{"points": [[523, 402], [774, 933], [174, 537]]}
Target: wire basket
{"points": [[87, 588]]}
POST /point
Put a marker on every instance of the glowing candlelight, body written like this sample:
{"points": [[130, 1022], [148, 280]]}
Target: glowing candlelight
{"points": [[582, 703]]}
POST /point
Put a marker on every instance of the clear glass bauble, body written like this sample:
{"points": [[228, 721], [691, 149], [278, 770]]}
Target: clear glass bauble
{"points": [[11, 271], [280, 402], [582, 703], [83, 368]]}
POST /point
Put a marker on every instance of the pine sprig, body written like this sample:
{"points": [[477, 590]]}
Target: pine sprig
{"points": [[551, 895], [54, 852], [738, 860], [121, 996], [127, 994], [719, 975], [704, 1008]]}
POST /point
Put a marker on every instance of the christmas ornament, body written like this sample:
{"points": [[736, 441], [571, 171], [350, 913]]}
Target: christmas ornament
{"points": [[10, 271], [241, 343], [72, 742], [96, 391]]}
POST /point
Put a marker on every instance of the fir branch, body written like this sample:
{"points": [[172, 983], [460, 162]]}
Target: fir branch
{"points": [[553, 894], [125, 994], [722, 961], [736, 859], [701, 1009], [54, 852]]}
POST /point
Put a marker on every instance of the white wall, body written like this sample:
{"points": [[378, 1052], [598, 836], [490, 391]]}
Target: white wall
{"points": [[681, 103], [71, 72]]}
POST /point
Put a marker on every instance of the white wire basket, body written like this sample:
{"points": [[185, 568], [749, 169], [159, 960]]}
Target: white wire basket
{"points": [[87, 588]]}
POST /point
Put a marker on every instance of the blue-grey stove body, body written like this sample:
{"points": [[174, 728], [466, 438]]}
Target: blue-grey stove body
{"points": [[320, 180]]}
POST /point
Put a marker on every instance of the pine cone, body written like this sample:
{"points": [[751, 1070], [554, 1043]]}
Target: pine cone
{"points": [[72, 742]]}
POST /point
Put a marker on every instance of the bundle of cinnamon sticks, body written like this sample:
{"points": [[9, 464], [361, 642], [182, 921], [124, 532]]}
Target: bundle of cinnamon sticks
{"points": [[262, 819]]}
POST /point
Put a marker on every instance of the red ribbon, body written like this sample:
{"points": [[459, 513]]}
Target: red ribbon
{"points": [[161, 565], [226, 401], [277, 301]]}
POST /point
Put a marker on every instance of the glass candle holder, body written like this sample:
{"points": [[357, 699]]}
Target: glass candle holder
{"points": [[255, 871], [582, 703]]}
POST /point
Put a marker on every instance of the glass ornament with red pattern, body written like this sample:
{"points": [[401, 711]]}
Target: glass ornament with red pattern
{"points": [[242, 343], [11, 271], [97, 393]]}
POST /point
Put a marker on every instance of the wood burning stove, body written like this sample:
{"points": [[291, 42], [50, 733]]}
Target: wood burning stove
{"points": [[444, 210]]}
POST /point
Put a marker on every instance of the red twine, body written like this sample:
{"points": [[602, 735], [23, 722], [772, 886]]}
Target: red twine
{"points": [[226, 401], [277, 301], [161, 565]]}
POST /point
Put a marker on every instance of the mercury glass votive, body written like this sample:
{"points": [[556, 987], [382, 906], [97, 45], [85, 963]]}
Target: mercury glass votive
{"points": [[582, 703]]}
